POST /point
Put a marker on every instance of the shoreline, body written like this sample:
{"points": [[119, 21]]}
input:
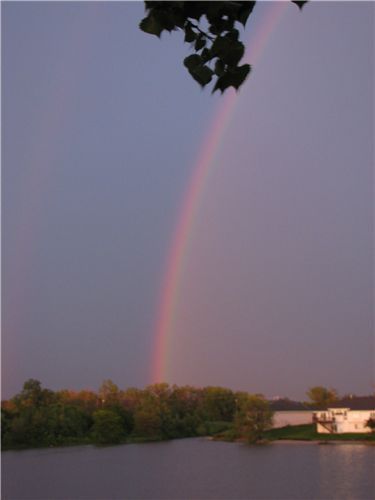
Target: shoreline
{"points": [[320, 442]]}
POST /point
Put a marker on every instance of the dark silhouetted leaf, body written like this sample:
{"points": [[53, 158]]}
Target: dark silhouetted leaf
{"points": [[222, 83], [221, 46], [202, 74], [190, 35], [212, 29], [229, 51], [245, 11], [165, 19], [233, 34], [200, 43], [151, 25], [299, 3], [239, 75], [192, 61], [206, 55], [233, 77], [219, 67], [195, 10]]}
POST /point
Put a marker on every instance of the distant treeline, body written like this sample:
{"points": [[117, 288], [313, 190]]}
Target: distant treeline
{"points": [[40, 417]]}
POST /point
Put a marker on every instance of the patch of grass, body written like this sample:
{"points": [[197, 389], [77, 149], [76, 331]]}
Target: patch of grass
{"points": [[212, 428], [228, 435], [307, 432]]}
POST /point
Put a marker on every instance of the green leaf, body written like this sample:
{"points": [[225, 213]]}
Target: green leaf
{"points": [[195, 9], [221, 46], [149, 5], [244, 12], [222, 83], [233, 34], [190, 36], [229, 51], [165, 18], [219, 67], [234, 55], [150, 25], [192, 61], [300, 4], [202, 74], [179, 17], [200, 43], [233, 77], [239, 75], [206, 55], [214, 30]]}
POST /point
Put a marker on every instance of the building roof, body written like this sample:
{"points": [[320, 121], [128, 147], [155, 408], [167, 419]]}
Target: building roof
{"points": [[355, 403]]}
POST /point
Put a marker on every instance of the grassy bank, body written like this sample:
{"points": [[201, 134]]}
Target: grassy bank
{"points": [[305, 432]]}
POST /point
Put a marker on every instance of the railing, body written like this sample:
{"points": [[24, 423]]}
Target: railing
{"points": [[324, 418]]}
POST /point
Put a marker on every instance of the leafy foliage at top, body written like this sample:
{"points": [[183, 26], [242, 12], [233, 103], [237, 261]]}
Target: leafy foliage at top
{"points": [[321, 396], [41, 417], [212, 30]]}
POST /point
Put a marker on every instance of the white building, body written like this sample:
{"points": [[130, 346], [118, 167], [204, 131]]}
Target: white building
{"points": [[296, 417], [349, 415]]}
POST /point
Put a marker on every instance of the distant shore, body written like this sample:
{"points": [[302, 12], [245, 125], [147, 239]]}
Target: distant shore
{"points": [[304, 433], [322, 442], [333, 440]]}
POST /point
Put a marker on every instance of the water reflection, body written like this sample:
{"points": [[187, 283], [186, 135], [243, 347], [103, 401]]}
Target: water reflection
{"points": [[342, 467], [191, 469]]}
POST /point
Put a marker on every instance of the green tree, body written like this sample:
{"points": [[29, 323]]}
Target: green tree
{"points": [[21, 432], [321, 396], [68, 422], [147, 420], [131, 398], [253, 417], [212, 30], [109, 393], [185, 400], [153, 417], [32, 423], [33, 395], [7, 416], [185, 407], [107, 428], [218, 403], [162, 390], [371, 424]]}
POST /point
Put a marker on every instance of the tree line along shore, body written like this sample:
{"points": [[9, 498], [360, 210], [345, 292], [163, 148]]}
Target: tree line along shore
{"points": [[40, 417]]}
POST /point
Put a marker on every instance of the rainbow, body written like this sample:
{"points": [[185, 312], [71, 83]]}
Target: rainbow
{"points": [[53, 117], [183, 234]]}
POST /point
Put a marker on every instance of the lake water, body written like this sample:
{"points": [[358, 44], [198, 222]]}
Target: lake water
{"points": [[191, 469]]}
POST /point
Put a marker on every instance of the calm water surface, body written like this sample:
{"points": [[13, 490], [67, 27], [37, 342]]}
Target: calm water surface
{"points": [[191, 469]]}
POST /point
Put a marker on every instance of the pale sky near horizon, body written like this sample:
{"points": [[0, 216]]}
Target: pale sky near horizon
{"points": [[101, 126]]}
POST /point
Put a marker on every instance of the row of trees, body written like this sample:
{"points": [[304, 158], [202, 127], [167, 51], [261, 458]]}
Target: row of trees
{"points": [[40, 417]]}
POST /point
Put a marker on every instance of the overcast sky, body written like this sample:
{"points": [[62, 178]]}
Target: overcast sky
{"points": [[101, 126]]}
